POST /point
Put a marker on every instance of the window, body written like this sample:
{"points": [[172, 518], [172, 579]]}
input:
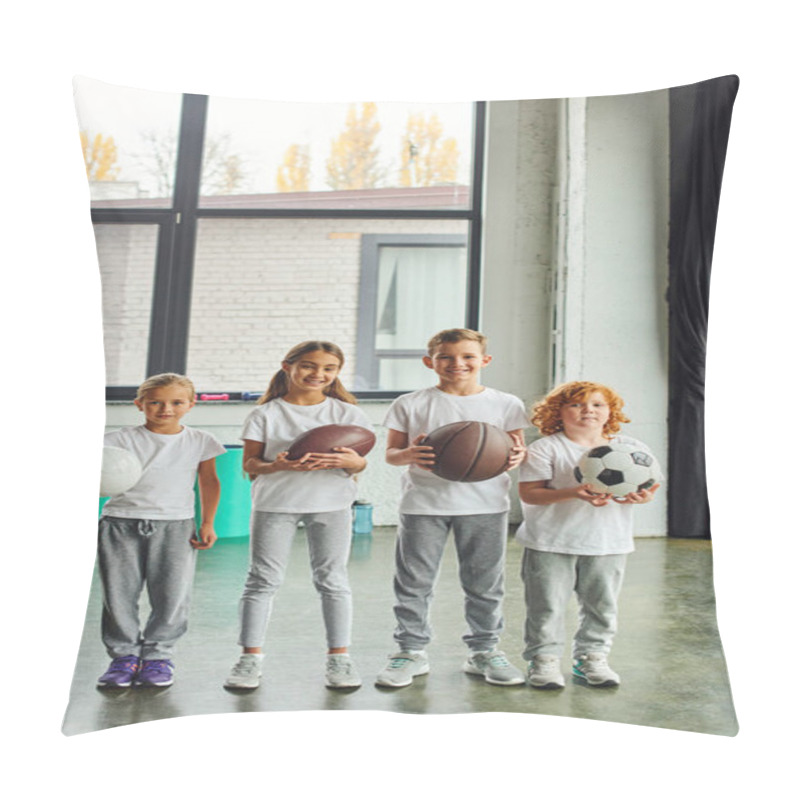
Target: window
{"points": [[268, 235]]}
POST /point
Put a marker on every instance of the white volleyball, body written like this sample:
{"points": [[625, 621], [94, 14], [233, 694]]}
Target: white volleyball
{"points": [[120, 471]]}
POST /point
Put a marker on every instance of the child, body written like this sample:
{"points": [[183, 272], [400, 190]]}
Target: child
{"points": [[431, 506], [573, 539], [317, 489], [147, 535]]}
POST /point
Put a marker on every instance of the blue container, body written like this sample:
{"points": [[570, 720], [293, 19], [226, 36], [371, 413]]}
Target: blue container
{"points": [[362, 519]]}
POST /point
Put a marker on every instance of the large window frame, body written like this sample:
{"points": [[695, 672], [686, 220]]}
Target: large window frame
{"points": [[177, 234]]}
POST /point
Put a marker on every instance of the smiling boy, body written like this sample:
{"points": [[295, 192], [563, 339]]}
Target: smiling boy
{"points": [[431, 506]]}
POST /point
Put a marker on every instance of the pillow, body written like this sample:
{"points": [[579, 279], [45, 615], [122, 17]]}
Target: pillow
{"points": [[576, 233]]}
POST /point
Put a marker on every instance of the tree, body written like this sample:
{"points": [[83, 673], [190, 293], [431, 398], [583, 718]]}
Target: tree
{"points": [[353, 163], [100, 157], [294, 174], [426, 159], [222, 171]]}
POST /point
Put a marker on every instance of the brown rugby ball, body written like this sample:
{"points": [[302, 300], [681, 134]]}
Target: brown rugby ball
{"points": [[324, 438], [469, 451]]}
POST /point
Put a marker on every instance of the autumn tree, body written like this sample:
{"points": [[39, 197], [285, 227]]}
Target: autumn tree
{"points": [[222, 171], [100, 157], [353, 162], [426, 159], [294, 174]]}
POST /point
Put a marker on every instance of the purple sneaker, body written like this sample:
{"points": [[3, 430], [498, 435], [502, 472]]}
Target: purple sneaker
{"points": [[120, 673], [155, 673]]}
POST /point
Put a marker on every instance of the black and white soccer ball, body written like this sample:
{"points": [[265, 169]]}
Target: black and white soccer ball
{"points": [[618, 468]]}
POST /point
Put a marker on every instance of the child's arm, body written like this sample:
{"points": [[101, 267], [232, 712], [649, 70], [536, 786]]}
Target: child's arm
{"points": [[536, 493], [400, 453], [518, 451], [210, 489], [253, 464]]}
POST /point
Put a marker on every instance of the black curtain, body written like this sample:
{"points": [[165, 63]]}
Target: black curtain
{"points": [[700, 118]]}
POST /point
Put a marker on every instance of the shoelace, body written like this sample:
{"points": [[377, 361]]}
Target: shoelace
{"points": [[499, 660], [398, 663], [339, 665], [158, 665], [124, 665], [244, 668]]}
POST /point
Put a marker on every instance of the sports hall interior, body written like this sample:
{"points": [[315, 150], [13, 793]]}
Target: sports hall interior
{"points": [[560, 237]]}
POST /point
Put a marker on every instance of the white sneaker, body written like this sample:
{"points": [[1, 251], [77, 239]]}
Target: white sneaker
{"points": [[402, 669], [341, 672], [495, 668], [246, 672], [544, 672], [594, 669]]}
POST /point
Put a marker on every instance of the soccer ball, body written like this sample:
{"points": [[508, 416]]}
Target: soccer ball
{"points": [[120, 471], [618, 468]]}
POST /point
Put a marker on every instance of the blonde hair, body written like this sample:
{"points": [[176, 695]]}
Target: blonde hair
{"points": [[165, 379], [452, 335], [546, 414], [279, 384]]}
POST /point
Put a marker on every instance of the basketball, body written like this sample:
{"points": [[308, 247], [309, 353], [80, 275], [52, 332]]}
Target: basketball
{"points": [[468, 452], [119, 472], [324, 438]]}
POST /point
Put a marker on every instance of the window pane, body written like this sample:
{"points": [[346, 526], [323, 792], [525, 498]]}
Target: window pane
{"points": [[127, 255], [262, 154], [129, 139], [262, 286]]}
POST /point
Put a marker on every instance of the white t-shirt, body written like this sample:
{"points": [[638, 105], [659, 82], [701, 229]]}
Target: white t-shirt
{"points": [[427, 409], [169, 468], [572, 526], [277, 424]]}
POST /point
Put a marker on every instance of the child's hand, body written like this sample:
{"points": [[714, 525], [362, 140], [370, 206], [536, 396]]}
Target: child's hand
{"points": [[645, 496], [303, 464], [343, 458], [206, 537], [420, 454], [518, 451], [585, 492]]}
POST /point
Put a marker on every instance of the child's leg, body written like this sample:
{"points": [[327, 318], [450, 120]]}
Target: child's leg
{"points": [[170, 573], [599, 579], [549, 579], [418, 554], [480, 541], [329, 539], [120, 559], [271, 537]]}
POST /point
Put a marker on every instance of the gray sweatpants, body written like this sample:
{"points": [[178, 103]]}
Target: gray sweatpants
{"points": [[328, 535], [136, 553], [480, 541], [550, 579]]}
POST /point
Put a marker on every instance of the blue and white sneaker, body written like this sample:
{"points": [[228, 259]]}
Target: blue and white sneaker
{"points": [[120, 673], [594, 669], [495, 668], [156, 672], [402, 668]]}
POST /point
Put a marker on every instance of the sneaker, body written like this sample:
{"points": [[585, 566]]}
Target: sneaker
{"points": [[157, 672], [495, 667], [246, 672], [341, 672], [594, 669], [120, 673], [544, 672], [402, 669]]}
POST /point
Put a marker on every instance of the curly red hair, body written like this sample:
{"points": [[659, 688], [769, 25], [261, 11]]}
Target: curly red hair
{"points": [[546, 414]]}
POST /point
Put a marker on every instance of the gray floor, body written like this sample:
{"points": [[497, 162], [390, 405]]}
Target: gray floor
{"points": [[667, 651]]}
